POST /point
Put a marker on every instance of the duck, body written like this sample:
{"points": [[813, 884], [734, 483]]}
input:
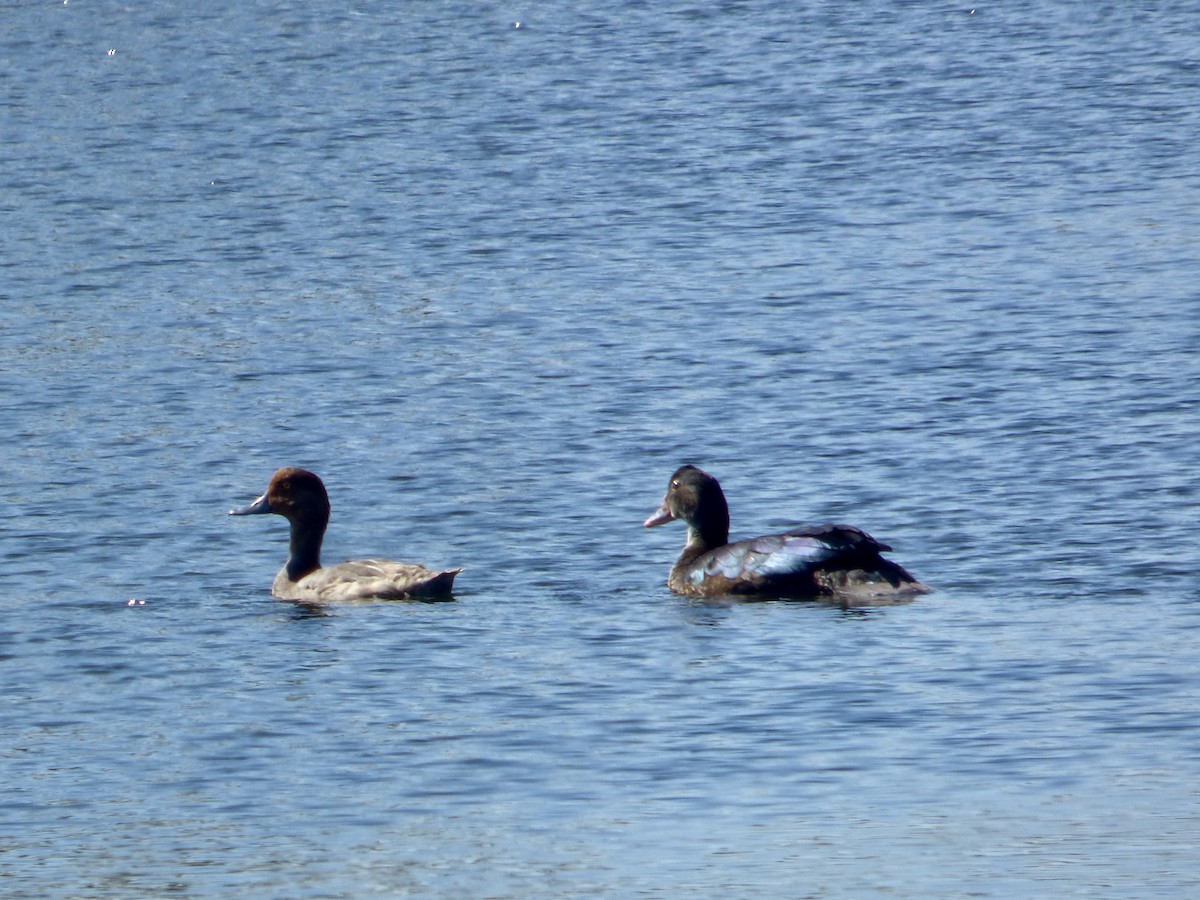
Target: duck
{"points": [[829, 561], [300, 497]]}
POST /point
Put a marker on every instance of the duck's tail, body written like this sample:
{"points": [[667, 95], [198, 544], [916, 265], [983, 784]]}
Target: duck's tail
{"points": [[440, 584], [881, 581]]}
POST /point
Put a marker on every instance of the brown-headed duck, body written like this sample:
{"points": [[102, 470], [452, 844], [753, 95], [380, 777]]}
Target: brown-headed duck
{"points": [[299, 496], [831, 561]]}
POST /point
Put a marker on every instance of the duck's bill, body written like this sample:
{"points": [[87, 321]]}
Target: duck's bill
{"points": [[661, 516], [261, 505]]}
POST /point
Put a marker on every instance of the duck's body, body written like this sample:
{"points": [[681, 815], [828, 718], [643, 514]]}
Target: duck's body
{"points": [[365, 579], [835, 561], [300, 497]]}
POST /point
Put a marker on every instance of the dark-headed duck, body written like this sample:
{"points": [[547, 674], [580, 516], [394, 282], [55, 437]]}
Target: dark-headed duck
{"points": [[832, 561], [299, 496]]}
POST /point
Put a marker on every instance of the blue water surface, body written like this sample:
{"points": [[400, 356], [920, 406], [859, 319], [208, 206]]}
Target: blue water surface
{"points": [[494, 271]]}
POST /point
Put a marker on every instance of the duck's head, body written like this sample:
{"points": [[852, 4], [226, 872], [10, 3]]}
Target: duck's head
{"points": [[695, 497], [296, 494]]}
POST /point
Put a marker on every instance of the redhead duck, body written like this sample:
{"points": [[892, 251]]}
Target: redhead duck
{"points": [[299, 496], [833, 561]]}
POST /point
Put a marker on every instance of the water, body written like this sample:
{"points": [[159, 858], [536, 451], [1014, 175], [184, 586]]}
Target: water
{"points": [[927, 270]]}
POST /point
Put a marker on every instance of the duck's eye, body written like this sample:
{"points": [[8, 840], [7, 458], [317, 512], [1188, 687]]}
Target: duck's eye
{"points": [[675, 483]]}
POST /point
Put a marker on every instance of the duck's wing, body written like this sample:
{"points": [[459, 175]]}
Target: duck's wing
{"points": [[792, 553], [376, 579]]}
